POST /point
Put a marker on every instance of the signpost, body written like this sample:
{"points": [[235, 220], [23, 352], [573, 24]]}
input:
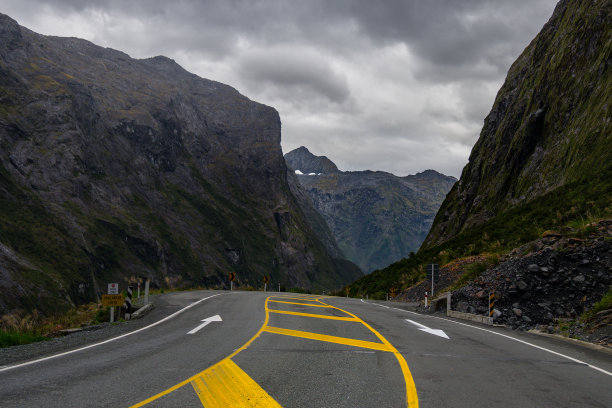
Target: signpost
{"points": [[433, 274], [266, 280], [113, 289], [232, 277]]}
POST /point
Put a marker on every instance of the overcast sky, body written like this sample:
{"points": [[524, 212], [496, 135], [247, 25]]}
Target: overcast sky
{"points": [[394, 85]]}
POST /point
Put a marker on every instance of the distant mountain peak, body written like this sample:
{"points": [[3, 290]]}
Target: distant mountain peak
{"points": [[302, 160]]}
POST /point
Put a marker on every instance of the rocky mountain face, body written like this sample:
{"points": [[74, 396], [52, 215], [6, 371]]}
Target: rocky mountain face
{"points": [[113, 168], [547, 142], [545, 284], [376, 217]]}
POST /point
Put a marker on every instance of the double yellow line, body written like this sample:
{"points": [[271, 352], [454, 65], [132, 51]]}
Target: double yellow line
{"points": [[227, 385]]}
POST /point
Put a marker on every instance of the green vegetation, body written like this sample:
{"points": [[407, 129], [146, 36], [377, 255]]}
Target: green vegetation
{"points": [[604, 304], [16, 330], [569, 209], [13, 338]]}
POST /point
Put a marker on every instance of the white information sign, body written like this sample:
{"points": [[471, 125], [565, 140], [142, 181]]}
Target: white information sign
{"points": [[113, 288]]}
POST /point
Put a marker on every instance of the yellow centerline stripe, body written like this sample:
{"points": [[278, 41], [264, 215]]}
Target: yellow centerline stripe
{"points": [[302, 304], [329, 339], [412, 398], [318, 316]]}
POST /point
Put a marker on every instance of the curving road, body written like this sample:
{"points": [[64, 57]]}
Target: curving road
{"points": [[271, 350]]}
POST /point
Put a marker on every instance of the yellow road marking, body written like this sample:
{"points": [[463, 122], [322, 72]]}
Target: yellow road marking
{"points": [[318, 316], [227, 385], [329, 339], [231, 378], [412, 398], [302, 304], [308, 299], [187, 381]]}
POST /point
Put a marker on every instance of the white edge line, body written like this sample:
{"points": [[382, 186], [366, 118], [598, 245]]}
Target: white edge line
{"points": [[511, 338], [6, 368]]}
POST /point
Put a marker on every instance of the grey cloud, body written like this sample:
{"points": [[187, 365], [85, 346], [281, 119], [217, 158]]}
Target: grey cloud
{"points": [[348, 76], [294, 71]]}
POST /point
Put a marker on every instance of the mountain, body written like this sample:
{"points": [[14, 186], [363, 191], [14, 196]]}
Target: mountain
{"points": [[113, 168], [545, 151], [538, 181], [376, 217], [308, 163]]}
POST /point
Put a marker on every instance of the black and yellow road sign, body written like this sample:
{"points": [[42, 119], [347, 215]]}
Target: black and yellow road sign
{"points": [[232, 276], [266, 279]]}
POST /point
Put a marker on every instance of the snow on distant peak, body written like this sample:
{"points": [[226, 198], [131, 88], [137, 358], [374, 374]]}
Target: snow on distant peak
{"points": [[299, 172]]}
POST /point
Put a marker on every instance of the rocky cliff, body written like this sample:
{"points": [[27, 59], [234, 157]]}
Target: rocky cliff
{"points": [[545, 151], [113, 168], [376, 217]]}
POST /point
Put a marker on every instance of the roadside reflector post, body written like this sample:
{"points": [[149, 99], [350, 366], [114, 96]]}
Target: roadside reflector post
{"points": [[146, 299], [112, 314], [128, 303], [491, 303], [426, 294], [448, 302]]}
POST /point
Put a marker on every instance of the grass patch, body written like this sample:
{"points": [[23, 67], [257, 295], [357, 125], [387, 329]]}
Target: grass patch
{"points": [[13, 338], [604, 304]]}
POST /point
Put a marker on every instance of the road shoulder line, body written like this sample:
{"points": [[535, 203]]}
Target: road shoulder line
{"points": [[6, 368]]}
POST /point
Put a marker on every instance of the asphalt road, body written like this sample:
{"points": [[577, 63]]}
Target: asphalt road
{"points": [[288, 350]]}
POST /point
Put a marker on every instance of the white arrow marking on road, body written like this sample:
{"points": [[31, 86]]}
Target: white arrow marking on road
{"points": [[207, 321], [426, 329]]}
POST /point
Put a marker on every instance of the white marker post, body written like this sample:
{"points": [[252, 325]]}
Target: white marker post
{"points": [[146, 301], [113, 289], [426, 299]]}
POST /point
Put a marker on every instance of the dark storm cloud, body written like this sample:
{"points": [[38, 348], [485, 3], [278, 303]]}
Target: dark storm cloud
{"points": [[364, 82]]}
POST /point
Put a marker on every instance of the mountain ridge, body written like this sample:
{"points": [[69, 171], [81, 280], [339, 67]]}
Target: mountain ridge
{"points": [[113, 169], [376, 217]]}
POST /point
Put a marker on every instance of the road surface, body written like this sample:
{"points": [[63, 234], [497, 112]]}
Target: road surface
{"points": [[223, 349]]}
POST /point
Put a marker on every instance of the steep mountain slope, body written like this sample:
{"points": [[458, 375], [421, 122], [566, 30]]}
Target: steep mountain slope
{"points": [[113, 168], [549, 132], [376, 217], [542, 166]]}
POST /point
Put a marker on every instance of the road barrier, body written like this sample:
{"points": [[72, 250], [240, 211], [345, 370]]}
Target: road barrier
{"points": [[466, 316], [491, 303]]}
